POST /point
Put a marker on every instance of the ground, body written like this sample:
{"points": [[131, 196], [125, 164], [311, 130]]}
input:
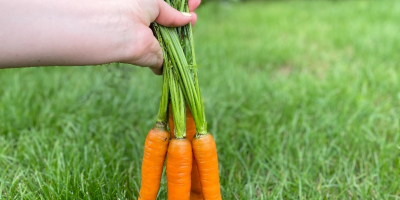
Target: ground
{"points": [[303, 98]]}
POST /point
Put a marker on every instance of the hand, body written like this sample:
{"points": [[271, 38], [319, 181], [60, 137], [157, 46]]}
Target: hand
{"points": [[147, 51], [90, 32]]}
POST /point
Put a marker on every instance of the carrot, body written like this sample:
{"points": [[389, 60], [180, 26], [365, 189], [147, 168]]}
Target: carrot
{"points": [[180, 57], [195, 191], [205, 153], [190, 126], [155, 149], [179, 155], [171, 122], [179, 167], [153, 161]]}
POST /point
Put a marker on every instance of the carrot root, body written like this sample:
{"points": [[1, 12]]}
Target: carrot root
{"points": [[195, 191], [179, 167], [155, 149], [205, 153]]}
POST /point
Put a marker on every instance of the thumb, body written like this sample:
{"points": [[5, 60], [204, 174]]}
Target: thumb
{"points": [[171, 17]]}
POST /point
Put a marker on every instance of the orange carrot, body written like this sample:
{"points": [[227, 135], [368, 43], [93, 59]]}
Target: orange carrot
{"points": [[195, 192], [156, 145], [171, 121], [205, 153], [179, 167], [190, 126]]}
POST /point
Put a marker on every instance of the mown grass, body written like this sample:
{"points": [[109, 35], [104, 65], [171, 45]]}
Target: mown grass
{"points": [[303, 99]]}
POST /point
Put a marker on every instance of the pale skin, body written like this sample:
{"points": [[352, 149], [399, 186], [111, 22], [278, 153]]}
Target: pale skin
{"points": [[85, 32]]}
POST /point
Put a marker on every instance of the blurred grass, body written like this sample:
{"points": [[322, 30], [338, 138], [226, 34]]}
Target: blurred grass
{"points": [[303, 99]]}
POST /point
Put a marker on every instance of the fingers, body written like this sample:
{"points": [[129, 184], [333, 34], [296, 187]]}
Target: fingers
{"points": [[171, 17], [147, 51], [194, 18], [193, 4]]}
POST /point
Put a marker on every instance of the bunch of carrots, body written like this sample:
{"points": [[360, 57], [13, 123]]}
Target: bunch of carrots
{"points": [[190, 151]]}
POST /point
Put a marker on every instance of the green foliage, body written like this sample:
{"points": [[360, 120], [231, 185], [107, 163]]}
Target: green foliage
{"points": [[302, 98]]}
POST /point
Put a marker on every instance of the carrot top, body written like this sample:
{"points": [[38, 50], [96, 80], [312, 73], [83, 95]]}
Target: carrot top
{"points": [[162, 116], [178, 104], [178, 42]]}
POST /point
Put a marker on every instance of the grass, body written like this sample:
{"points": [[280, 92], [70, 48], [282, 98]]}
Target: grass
{"points": [[303, 99]]}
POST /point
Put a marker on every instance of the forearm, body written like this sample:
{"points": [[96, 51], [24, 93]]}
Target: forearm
{"points": [[48, 32]]}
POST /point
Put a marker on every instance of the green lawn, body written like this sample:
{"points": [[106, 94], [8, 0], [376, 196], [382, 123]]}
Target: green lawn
{"points": [[303, 98]]}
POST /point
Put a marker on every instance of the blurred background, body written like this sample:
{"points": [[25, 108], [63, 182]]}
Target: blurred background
{"points": [[302, 97]]}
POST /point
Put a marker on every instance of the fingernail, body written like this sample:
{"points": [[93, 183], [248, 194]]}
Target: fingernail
{"points": [[186, 14]]}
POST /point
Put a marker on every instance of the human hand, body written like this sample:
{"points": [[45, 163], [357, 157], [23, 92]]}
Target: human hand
{"points": [[75, 32], [146, 50]]}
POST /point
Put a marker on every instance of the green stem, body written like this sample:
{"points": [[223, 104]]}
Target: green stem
{"points": [[163, 110], [194, 71], [186, 81], [162, 116], [178, 105], [178, 48], [182, 7]]}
